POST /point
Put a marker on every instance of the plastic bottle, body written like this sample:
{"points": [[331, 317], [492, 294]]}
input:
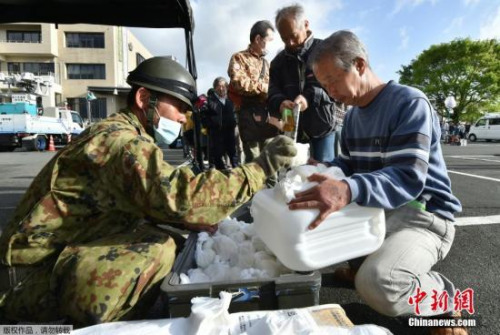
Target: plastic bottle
{"points": [[288, 121]]}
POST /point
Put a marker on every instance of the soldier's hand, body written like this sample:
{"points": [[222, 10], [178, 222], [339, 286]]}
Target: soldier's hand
{"points": [[277, 154], [211, 229]]}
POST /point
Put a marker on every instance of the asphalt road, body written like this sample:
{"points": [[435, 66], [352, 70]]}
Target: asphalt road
{"points": [[473, 261]]}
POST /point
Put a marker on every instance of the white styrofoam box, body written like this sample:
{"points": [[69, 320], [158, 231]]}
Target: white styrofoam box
{"points": [[351, 232]]}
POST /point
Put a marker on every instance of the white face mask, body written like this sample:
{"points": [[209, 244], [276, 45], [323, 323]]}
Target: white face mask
{"points": [[167, 130]]}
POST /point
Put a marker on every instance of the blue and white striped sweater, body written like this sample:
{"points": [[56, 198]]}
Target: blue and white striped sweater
{"points": [[391, 151]]}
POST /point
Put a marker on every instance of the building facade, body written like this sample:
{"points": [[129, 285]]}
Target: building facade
{"points": [[70, 60]]}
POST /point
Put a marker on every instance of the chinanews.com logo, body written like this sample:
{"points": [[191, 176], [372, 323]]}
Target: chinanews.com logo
{"points": [[463, 301]]}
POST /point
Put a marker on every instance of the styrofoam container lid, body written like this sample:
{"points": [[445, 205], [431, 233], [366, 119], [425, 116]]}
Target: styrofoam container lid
{"points": [[351, 232]]}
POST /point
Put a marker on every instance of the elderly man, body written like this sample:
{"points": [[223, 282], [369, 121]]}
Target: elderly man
{"points": [[221, 123], [82, 244], [392, 158], [292, 83]]}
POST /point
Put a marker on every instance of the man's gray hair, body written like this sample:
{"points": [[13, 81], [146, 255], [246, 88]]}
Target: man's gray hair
{"points": [[344, 47], [295, 11], [218, 80]]}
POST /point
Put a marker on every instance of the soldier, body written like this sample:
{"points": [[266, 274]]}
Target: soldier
{"points": [[249, 80], [82, 244]]}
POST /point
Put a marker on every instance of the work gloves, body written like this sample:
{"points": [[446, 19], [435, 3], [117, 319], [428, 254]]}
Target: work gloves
{"points": [[278, 153]]}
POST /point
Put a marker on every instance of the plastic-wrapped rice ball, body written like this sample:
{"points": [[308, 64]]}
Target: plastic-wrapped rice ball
{"points": [[204, 257], [270, 266], [198, 276], [261, 255], [252, 273], [258, 244], [245, 252], [226, 249], [184, 278], [227, 227], [208, 243], [234, 273], [248, 230], [237, 237], [218, 272], [233, 253]]}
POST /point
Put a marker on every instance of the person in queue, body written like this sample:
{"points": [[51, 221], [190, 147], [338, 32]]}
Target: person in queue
{"points": [[292, 82]]}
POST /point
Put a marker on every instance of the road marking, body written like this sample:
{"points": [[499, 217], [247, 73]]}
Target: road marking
{"points": [[474, 176], [476, 159], [477, 220], [13, 191]]}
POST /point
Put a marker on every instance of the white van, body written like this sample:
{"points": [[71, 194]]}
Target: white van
{"points": [[486, 128]]}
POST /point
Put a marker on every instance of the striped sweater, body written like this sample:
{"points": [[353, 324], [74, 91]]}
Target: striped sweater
{"points": [[392, 155]]}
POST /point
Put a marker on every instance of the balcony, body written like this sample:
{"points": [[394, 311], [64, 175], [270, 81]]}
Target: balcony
{"points": [[14, 48]]}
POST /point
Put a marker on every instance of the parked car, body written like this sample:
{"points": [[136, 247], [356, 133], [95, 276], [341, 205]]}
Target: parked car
{"points": [[486, 128]]}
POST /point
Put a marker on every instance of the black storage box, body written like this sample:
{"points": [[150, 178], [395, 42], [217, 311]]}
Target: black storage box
{"points": [[289, 291]]}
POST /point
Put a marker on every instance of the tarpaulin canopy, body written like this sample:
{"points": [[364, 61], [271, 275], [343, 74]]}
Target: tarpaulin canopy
{"points": [[133, 13], [130, 13]]}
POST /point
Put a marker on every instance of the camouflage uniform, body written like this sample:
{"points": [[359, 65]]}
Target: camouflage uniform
{"points": [[80, 227], [249, 79]]}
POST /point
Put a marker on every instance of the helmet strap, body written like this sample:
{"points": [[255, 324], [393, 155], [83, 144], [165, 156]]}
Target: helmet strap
{"points": [[153, 101]]}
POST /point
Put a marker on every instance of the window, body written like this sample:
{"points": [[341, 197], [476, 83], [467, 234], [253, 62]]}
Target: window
{"points": [[86, 71], [39, 68], [494, 122], [97, 108], [14, 67], [77, 119], [85, 40], [481, 123], [139, 59], [24, 36]]}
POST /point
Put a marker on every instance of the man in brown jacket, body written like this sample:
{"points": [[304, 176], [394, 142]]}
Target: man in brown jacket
{"points": [[249, 81]]}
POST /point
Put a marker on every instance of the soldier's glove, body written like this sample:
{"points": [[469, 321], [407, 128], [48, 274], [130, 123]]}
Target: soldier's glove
{"points": [[278, 153]]}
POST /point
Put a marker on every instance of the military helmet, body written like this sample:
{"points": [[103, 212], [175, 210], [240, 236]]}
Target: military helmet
{"points": [[165, 75]]}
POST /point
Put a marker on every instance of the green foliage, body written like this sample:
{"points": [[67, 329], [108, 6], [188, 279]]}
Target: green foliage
{"points": [[466, 69]]}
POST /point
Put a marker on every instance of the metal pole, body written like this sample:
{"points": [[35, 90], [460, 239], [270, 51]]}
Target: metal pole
{"points": [[88, 111]]}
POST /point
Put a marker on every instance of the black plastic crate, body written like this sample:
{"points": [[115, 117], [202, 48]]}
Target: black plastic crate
{"points": [[290, 291]]}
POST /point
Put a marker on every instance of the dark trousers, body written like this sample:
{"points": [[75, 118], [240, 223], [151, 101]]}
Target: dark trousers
{"points": [[223, 143]]}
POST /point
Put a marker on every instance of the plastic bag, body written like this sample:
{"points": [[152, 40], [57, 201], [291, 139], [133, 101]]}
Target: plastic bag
{"points": [[209, 316]]}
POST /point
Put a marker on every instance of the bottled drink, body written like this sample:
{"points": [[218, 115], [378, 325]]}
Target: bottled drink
{"points": [[288, 121]]}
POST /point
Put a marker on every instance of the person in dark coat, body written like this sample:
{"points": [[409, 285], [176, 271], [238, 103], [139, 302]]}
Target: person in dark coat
{"points": [[221, 124]]}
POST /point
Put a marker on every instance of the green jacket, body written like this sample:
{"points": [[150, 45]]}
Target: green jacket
{"points": [[108, 180]]}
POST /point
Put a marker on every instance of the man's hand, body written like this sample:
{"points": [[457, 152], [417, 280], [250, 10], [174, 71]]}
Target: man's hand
{"points": [[302, 101], [312, 161], [329, 196], [286, 104], [275, 122]]}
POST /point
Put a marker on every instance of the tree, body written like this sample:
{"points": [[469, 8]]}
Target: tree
{"points": [[466, 69]]}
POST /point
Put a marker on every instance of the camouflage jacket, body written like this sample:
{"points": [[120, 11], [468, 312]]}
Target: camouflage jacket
{"points": [[108, 180], [245, 77]]}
